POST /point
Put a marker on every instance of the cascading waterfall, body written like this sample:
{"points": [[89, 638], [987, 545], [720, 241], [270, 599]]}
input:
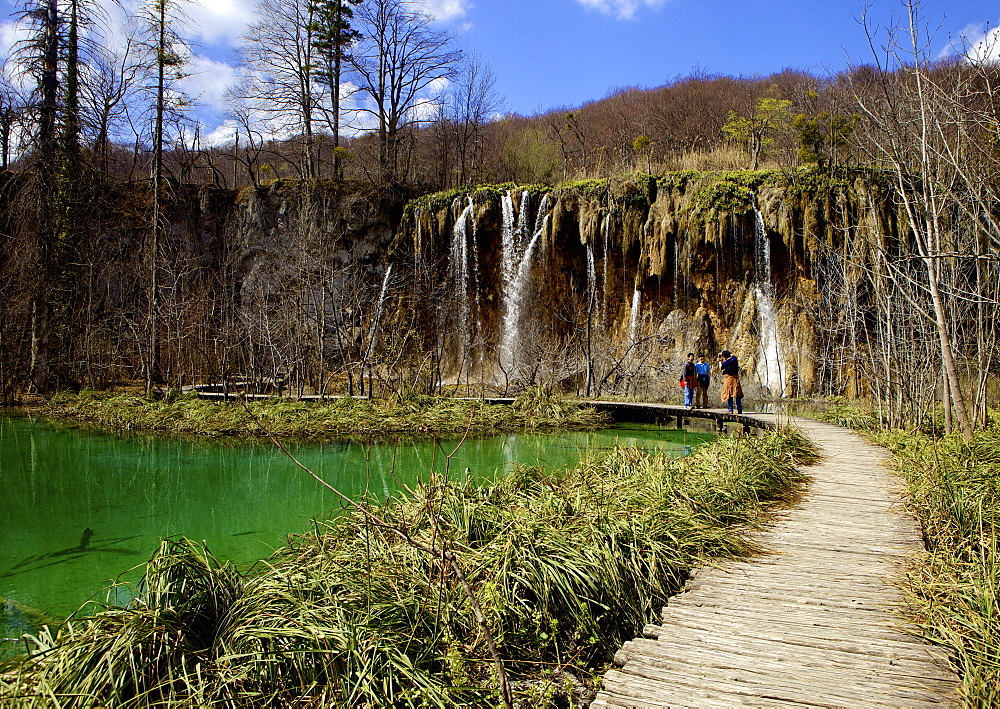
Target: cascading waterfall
{"points": [[543, 214], [379, 306], [473, 251], [458, 265], [380, 303], [633, 323], [770, 363], [606, 229], [524, 218], [510, 243], [516, 267], [508, 240], [678, 274], [591, 278]]}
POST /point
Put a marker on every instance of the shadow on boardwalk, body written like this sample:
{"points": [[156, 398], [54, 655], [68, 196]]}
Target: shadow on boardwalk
{"points": [[809, 625]]}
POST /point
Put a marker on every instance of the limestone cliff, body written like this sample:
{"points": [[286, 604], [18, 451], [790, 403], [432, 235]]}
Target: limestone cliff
{"points": [[645, 270], [597, 286]]}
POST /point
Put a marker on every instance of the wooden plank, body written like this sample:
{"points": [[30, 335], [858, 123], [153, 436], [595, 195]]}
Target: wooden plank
{"points": [[752, 686], [854, 687], [824, 627], [792, 637], [820, 659]]}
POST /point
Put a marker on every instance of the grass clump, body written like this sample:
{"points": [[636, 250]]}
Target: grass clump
{"points": [[851, 415], [406, 414], [729, 192], [367, 611], [954, 488]]}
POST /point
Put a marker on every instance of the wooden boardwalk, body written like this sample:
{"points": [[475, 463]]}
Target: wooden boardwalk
{"points": [[809, 625]]}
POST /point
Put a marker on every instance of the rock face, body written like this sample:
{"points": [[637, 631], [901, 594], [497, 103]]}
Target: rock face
{"points": [[624, 279], [600, 287]]}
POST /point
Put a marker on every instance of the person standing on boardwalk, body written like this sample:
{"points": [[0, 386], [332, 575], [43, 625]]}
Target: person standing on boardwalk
{"points": [[689, 381], [704, 369], [731, 388]]}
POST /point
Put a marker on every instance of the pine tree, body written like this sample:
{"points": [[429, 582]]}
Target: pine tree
{"points": [[333, 35]]}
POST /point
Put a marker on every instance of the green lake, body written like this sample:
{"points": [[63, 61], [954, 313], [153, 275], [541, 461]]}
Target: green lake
{"points": [[81, 509]]}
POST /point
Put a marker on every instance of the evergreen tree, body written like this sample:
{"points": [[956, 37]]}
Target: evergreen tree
{"points": [[332, 36]]}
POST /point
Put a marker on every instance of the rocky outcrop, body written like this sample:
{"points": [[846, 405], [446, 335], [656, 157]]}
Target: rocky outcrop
{"points": [[682, 263]]}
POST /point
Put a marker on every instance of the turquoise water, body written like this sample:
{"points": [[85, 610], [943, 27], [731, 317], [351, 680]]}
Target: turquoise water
{"points": [[80, 509]]}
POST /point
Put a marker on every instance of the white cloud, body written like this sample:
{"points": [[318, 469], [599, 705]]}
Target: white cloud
{"points": [[10, 34], [438, 86], [223, 134], [623, 9], [980, 43], [444, 10], [208, 81], [219, 21]]}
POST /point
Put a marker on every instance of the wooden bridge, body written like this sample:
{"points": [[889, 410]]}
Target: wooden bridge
{"points": [[811, 624]]}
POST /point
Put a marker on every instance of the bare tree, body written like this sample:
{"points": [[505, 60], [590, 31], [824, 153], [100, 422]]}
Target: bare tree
{"points": [[919, 131], [472, 103], [14, 107], [166, 51], [112, 80], [397, 60], [279, 82]]}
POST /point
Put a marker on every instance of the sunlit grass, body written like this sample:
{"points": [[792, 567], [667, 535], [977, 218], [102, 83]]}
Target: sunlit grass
{"points": [[954, 487], [565, 566]]}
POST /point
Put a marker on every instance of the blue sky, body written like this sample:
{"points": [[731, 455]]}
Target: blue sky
{"points": [[550, 54]]}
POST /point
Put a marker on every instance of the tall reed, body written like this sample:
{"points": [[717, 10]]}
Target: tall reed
{"points": [[565, 565]]}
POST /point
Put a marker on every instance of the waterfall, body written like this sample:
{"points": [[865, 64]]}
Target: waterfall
{"points": [[458, 266], [770, 361], [473, 251], [542, 216], [510, 239], [591, 278], [678, 286], [375, 323], [523, 219], [516, 268], [606, 229], [633, 323], [508, 243], [378, 307]]}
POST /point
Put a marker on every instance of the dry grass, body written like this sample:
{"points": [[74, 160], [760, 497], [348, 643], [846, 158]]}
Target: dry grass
{"points": [[412, 415]]}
